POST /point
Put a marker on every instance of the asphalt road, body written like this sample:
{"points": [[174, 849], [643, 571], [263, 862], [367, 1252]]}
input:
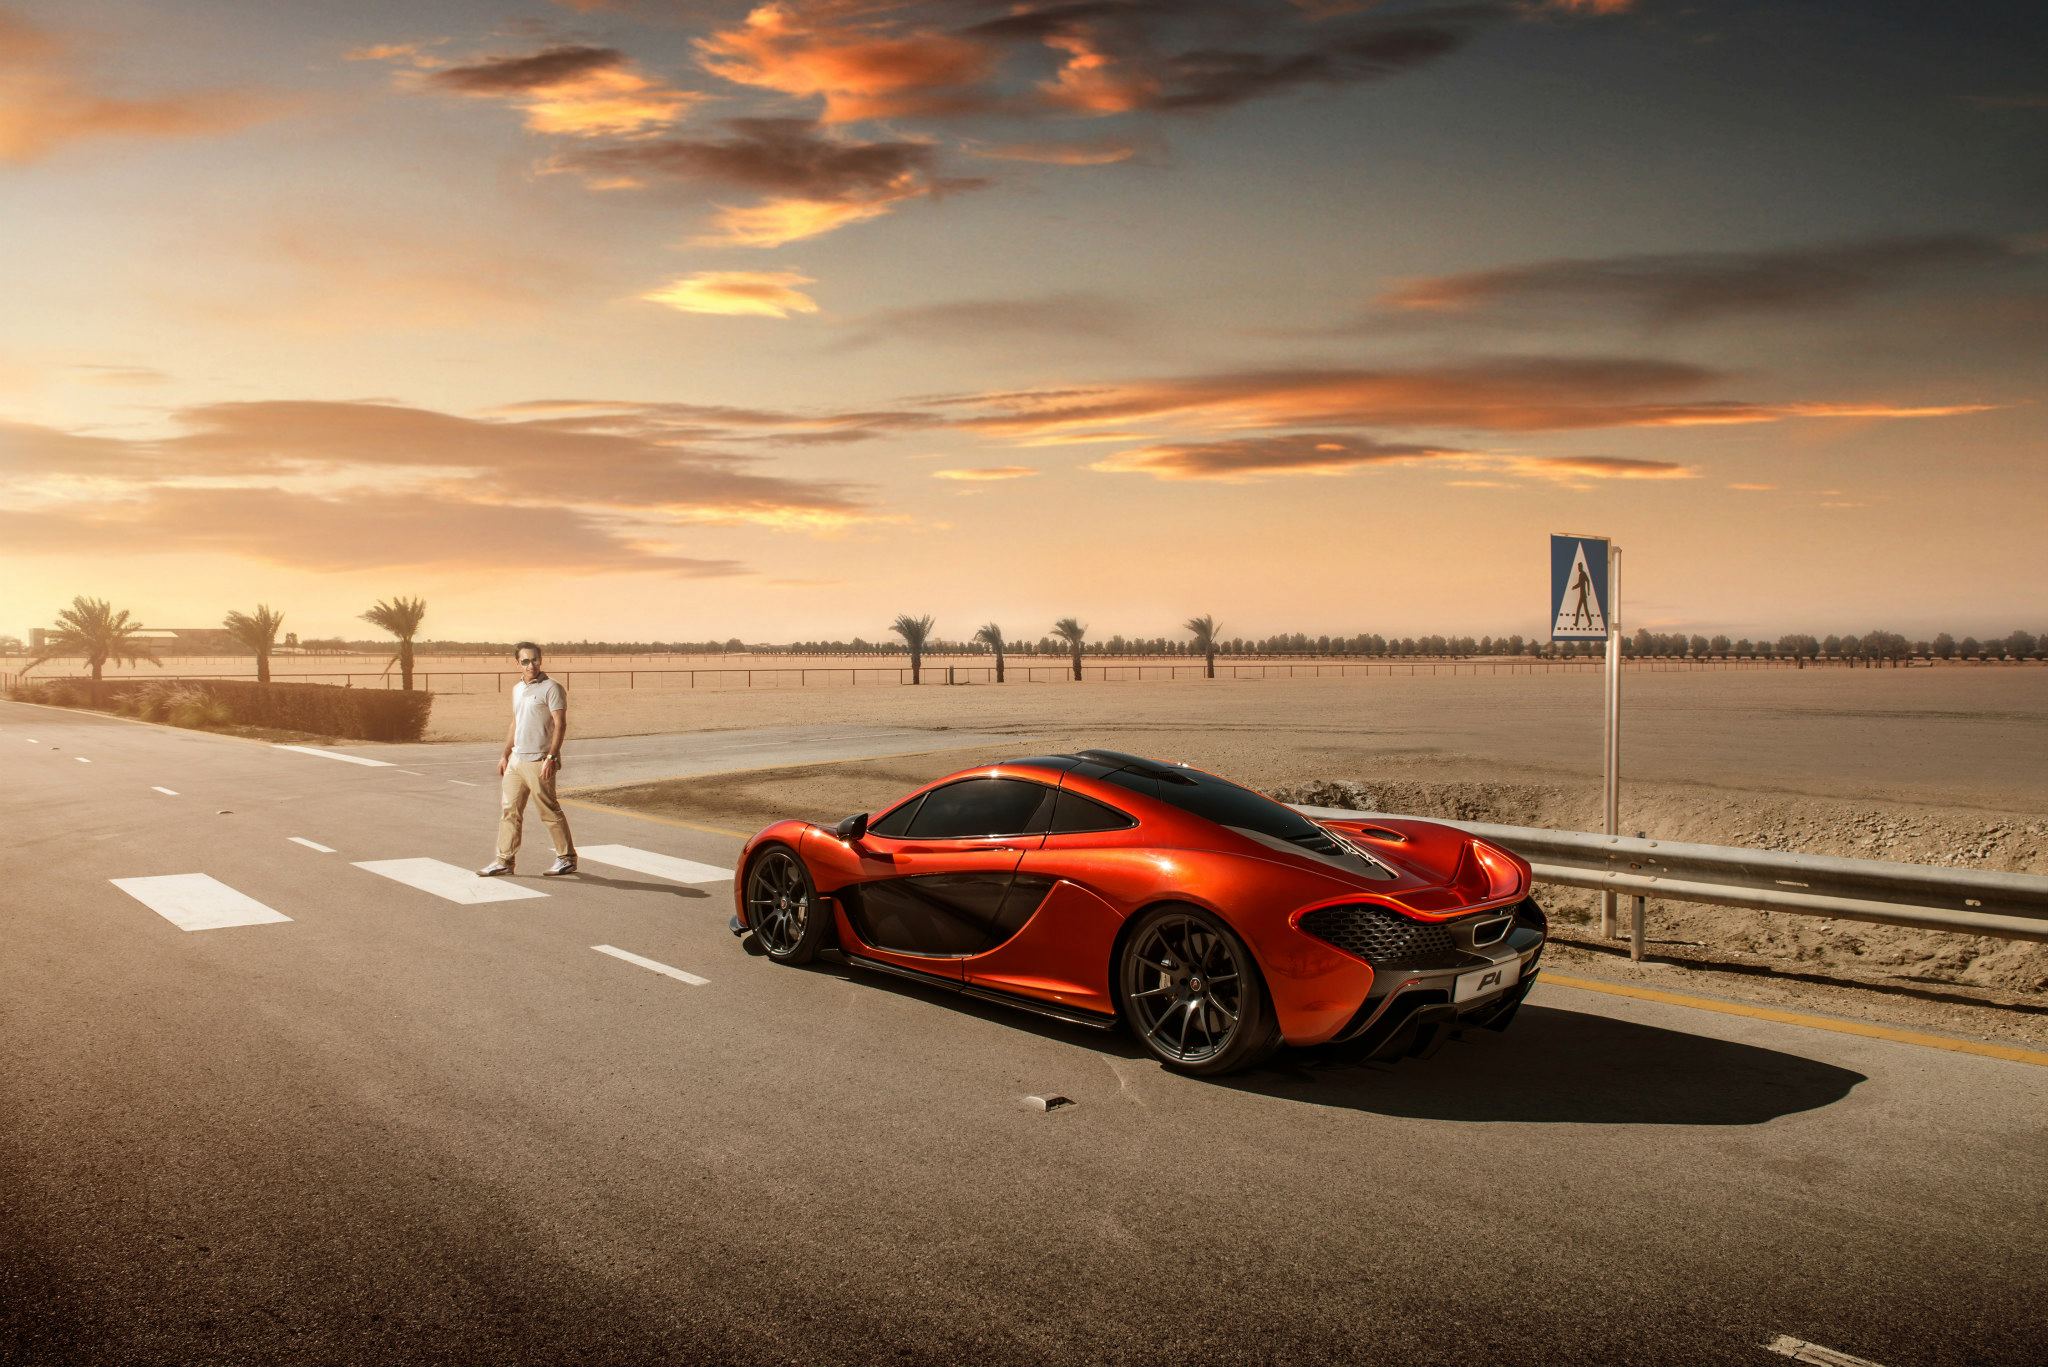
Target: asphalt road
{"points": [[396, 1128]]}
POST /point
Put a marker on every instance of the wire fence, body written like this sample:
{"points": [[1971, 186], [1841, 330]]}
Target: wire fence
{"points": [[931, 675]]}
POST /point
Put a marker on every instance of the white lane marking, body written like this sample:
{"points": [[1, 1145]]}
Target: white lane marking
{"points": [[464, 782], [336, 754], [31, 740], [81, 759], [660, 865], [414, 772], [447, 881], [310, 844], [167, 792], [1801, 1351], [676, 973], [193, 901]]}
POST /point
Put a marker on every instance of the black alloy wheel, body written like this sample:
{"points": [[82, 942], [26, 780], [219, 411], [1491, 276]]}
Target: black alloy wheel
{"points": [[782, 907], [1192, 994]]}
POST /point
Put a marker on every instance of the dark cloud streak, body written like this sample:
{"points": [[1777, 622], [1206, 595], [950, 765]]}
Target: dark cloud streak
{"points": [[785, 156], [538, 71], [1691, 287]]}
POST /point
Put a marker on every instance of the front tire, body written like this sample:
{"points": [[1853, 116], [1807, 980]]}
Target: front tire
{"points": [[782, 907], [1193, 995]]}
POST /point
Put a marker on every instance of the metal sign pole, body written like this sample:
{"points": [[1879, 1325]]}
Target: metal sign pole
{"points": [[1613, 747]]}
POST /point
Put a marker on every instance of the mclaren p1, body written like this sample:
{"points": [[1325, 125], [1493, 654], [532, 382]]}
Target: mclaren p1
{"points": [[1100, 887]]}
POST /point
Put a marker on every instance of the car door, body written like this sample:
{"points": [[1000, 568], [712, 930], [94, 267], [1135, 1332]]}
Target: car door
{"points": [[1060, 928], [940, 874]]}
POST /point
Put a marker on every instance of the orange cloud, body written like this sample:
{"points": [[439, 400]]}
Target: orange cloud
{"points": [[1091, 81], [859, 70], [777, 222], [583, 466], [45, 105], [1103, 153], [1593, 467], [568, 90], [817, 181], [1753, 488], [356, 531], [987, 472], [1502, 395], [412, 54], [761, 294], [1247, 459]]}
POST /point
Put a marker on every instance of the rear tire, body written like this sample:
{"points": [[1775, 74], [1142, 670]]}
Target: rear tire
{"points": [[1192, 993], [782, 906]]}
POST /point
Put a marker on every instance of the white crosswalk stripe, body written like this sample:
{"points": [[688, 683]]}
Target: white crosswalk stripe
{"points": [[646, 861], [678, 974], [448, 882], [194, 901], [336, 754]]}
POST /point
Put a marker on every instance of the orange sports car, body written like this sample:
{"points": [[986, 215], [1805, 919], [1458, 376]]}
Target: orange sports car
{"points": [[1100, 887]]}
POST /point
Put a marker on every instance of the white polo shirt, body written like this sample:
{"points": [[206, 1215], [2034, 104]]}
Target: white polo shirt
{"points": [[531, 724]]}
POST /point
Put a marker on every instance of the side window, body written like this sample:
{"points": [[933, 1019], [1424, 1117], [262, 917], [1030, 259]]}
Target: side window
{"points": [[898, 821], [981, 806], [1074, 813]]}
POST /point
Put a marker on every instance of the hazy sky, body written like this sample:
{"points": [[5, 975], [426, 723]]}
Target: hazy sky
{"points": [[671, 320]]}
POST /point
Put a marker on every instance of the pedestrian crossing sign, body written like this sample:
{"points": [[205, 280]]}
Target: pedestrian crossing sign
{"points": [[1578, 588]]}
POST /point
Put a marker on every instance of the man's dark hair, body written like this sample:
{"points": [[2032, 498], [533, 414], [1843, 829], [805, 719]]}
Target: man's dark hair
{"points": [[528, 645]]}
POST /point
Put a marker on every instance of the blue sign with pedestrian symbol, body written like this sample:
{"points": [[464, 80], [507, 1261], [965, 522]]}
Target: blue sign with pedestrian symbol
{"points": [[1578, 588]]}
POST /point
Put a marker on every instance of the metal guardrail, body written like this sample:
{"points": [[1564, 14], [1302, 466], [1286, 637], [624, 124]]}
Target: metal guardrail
{"points": [[2013, 906]]}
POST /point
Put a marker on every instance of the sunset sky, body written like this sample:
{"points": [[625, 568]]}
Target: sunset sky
{"points": [[640, 320]]}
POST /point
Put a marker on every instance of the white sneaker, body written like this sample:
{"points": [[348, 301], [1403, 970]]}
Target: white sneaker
{"points": [[565, 864], [494, 869]]}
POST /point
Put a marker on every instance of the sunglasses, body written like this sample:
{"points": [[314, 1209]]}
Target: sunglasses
{"points": [[524, 661]]}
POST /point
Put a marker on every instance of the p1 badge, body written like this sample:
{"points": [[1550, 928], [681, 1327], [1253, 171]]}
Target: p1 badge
{"points": [[1484, 982]]}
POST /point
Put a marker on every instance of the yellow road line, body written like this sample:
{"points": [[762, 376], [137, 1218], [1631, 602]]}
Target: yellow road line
{"points": [[659, 820], [2010, 1053]]}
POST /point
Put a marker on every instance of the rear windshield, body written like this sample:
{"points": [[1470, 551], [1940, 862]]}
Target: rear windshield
{"points": [[1226, 804]]}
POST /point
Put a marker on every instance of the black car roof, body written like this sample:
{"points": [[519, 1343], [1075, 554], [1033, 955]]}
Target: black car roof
{"points": [[1097, 763]]}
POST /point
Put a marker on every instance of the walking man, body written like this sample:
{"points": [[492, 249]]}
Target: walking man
{"points": [[532, 758], [1583, 586]]}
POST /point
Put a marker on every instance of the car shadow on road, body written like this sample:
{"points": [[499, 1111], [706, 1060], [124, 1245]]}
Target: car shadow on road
{"points": [[1568, 1067], [1116, 1043]]}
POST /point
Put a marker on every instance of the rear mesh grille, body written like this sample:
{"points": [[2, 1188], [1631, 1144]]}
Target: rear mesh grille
{"points": [[1377, 934]]}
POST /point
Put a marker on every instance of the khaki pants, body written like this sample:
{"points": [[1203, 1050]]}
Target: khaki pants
{"points": [[523, 776]]}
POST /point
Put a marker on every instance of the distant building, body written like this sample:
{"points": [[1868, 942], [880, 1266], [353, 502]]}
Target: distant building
{"points": [[167, 640], [191, 640]]}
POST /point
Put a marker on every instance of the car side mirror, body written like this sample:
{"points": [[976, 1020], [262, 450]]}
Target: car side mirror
{"points": [[853, 828]]}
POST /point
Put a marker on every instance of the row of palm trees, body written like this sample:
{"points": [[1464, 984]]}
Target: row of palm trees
{"points": [[917, 633], [90, 629]]}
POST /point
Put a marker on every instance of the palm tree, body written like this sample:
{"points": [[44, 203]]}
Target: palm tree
{"points": [[401, 617], [992, 636], [1204, 628], [1073, 633], [915, 631], [256, 633], [92, 629]]}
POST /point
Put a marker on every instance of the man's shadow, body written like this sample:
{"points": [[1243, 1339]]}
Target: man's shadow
{"points": [[1554, 1065], [635, 885]]}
